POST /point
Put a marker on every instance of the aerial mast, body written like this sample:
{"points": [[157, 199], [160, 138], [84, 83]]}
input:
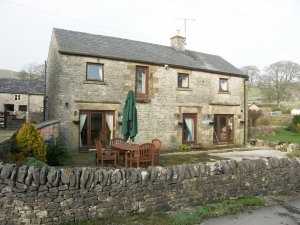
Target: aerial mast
{"points": [[184, 20]]}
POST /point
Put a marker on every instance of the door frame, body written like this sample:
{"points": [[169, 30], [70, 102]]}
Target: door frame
{"points": [[217, 131], [194, 115], [89, 124]]}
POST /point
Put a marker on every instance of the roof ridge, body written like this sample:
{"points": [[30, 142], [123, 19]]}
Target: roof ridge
{"points": [[97, 45]]}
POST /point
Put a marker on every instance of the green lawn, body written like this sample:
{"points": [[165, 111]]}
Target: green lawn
{"points": [[282, 136]]}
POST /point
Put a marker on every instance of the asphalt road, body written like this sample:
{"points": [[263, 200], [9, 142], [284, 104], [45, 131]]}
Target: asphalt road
{"points": [[287, 213]]}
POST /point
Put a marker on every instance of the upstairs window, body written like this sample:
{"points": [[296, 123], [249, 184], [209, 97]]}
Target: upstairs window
{"points": [[94, 72], [223, 85], [141, 81], [183, 80], [17, 97]]}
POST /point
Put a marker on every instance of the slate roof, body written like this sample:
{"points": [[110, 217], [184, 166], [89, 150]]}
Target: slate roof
{"points": [[16, 86], [84, 44]]}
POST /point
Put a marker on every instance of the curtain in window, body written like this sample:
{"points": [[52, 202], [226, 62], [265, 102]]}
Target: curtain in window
{"points": [[110, 124], [224, 85], [82, 122], [190, 126], [185, 81], [100, 72]]}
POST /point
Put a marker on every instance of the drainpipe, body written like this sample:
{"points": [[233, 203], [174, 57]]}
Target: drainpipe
{"points": [[44, 101], [245, 112]]}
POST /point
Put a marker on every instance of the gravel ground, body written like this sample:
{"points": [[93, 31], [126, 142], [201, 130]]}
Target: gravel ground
{"points": [[252, 154]]}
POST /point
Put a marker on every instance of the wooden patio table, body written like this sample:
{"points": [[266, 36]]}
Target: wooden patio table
{"points": [[128, 150]]}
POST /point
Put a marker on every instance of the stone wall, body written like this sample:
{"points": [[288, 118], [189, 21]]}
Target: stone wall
{"points": [[49, 129], [51, 195], [264, 130]]}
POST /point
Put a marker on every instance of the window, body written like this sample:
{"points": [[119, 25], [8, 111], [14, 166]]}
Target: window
{"points": [[18, 97], [223, 85], [94, 71], [9, 107], [23, 108], [189, 131], [183, 80], [141, 80], [95, 125]]}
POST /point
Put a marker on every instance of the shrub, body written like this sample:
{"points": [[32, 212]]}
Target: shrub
{"points": [[262, 121], [30, 142], [56, 153], [30, 161], [253, 116], [294, 153], [296, 119], [184, 147], [15, 157]]}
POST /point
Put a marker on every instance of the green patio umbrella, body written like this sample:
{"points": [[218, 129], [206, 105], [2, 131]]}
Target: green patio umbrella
{"points": [[129, 120]]}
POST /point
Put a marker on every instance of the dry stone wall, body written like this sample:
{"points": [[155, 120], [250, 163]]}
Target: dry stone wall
{"points": [[52, 195]]}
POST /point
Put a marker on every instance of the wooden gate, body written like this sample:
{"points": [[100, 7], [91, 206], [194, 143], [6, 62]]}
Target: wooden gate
{"points": [[2, 120]]}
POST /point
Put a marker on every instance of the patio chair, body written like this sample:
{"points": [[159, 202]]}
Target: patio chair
{"points": [[145, 154], [104, 155], [116, 141], [157, 146]]}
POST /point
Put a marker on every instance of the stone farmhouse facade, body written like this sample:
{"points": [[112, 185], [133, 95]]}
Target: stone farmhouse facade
{"points": [[20, 97], [183, 96]]}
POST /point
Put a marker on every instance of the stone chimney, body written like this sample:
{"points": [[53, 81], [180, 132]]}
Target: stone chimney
{"points": [[178, 42]]}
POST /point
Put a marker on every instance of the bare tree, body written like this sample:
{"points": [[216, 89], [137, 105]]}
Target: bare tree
{"points": [[253, 72], [32, 71], [278, 80]]}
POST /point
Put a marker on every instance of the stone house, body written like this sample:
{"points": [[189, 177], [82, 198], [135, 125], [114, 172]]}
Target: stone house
{"points": [[20, 97], [182, 96]]}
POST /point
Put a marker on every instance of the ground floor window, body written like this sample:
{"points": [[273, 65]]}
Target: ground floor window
{"points": [[223, 129], [189, 129], [95, 125], [23, 108], [9, 107]]}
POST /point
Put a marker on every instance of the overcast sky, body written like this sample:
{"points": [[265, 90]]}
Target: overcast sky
{"points": [[243, 32]]}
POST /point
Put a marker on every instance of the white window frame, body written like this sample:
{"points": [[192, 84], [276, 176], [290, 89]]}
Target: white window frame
{"points": [[18, 97], [101, 71], [224, 87]]}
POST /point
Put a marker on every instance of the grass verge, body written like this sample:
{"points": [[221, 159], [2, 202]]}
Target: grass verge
{"points": [[282, 136], [201, 213]]}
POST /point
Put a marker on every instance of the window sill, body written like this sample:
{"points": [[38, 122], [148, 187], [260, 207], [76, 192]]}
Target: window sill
{"points": [[95, 82], [143, 100], [183, 89], [224, 92]]}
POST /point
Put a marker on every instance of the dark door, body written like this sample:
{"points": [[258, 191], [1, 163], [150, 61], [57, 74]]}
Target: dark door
{"points": [[223, 129], [95, 125]]}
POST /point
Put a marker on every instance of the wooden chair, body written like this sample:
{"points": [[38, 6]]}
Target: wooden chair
{"points": [[145, 154], [157, 146], [103, 155], [117, 141]]}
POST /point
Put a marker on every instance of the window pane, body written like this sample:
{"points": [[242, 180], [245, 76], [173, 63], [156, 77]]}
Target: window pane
{"points": [[83, 130], [183, 80], [96, 127], [223, 85], [141, 80], [23, 108], [94, 72]]}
